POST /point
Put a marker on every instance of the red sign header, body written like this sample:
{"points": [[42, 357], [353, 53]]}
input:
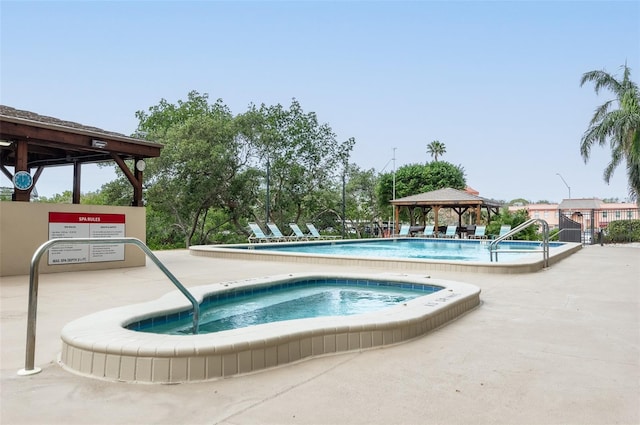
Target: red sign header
{"points": [[62, 217]]}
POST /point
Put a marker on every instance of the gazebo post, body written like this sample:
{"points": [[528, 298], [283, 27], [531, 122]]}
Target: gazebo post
{"points": [[396, 216]]}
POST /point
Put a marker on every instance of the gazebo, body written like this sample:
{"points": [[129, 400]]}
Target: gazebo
{"points": [[457, 200], [32, 141]]}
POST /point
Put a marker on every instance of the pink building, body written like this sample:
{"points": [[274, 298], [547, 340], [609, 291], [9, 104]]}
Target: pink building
{"points": [[588, 215]]}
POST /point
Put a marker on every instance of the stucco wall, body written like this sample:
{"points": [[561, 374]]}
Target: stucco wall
{"points": [[24, 226]]}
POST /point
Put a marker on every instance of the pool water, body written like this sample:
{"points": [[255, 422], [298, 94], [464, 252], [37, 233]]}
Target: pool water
{"points": [[463, 250], [288, 304]]}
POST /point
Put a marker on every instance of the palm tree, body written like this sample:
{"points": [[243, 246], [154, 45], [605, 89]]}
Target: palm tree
{"points": [[619, 127], [436, 149]]}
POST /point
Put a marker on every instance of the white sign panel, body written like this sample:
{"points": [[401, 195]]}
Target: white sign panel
{"points": [[81, 225]]}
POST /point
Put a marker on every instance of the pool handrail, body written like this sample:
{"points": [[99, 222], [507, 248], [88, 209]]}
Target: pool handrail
{"points": [[29, 368], [493, 245]]}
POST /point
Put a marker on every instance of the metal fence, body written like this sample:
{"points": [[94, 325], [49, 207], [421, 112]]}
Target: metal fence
{"points": [[570, 230]]}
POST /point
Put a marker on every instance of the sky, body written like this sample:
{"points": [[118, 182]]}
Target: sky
{"points": [[497, 82]]}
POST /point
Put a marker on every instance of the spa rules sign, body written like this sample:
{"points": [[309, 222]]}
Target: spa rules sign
{"points": [[81, 225]]}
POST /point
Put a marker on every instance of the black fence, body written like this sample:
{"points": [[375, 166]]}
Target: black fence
{"points": [[570, 231]]}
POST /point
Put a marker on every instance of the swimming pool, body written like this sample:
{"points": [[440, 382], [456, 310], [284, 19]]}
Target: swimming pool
{"points": [[403, 254], [100, 345], [301, 300], [433, 249]]}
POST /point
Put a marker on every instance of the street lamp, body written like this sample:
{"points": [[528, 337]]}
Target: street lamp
{"points": [[565, 183], [393, 221]]}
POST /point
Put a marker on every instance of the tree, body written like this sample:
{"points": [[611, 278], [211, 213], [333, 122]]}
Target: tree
{"points": [[361, 205], [435, 149], [413, 179], [300, 158], [201, 170], [513, 219], [519, 202], [218, 171], [619, 127]]}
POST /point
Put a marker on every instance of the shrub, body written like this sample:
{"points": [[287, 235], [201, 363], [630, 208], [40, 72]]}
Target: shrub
{"points": [[623, 231]]}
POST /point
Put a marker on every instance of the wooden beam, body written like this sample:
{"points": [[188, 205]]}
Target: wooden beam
{"points": [[133, 179], [76, 182]]}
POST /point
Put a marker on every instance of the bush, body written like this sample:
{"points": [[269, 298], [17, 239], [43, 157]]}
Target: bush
{"points": [[513, 219], [623, 231]]}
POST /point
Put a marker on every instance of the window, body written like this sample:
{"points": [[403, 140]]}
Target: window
{"points": [[604, 214], [617, 214]]}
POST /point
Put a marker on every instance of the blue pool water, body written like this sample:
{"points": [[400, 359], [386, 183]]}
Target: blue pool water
{"points": [[438, 249], [297, 300]]}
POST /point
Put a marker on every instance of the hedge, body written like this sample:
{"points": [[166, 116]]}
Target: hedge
{"points": [[623, 231]]}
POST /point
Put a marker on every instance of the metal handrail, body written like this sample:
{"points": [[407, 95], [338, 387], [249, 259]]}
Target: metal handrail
{"points": [[493, 245], [29, 368]]}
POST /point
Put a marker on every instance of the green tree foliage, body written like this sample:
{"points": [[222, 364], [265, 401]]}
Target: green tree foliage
{"points": [[513, 219], [361, 205], [617, 123], [201, 169], [518, 201], [414, 179], [302, 158], [623, 231], [65, 197], [211, 177], [436, 149]]}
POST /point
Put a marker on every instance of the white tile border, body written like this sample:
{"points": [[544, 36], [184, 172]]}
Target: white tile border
{"points": [[99, 346]]}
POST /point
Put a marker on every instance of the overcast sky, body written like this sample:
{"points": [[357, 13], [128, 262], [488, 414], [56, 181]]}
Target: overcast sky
{"points": [[497, 82]]}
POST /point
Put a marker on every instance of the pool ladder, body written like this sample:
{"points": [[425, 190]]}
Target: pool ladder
{"points": [[29, 368], [493, 245]]}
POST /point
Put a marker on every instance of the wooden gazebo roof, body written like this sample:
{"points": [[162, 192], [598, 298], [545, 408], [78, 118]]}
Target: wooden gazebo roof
{"points": [[445, 197], [32, 141], [458, 200]]}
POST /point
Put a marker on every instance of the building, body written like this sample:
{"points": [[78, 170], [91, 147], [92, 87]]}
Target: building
{"points": [[586, 215]]}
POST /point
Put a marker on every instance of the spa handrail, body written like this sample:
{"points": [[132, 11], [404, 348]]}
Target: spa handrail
{"points": [[29, 368]]}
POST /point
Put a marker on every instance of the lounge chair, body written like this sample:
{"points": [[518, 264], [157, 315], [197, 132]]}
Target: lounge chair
{"points": [[277, 234], [480, 233], [451, 231], [316, 234], [404, 230], [258, 235], [504, 229], [297, 231], [428, 231]]}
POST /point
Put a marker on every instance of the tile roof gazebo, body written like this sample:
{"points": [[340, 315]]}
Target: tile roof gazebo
{"points": [[459, 201]]}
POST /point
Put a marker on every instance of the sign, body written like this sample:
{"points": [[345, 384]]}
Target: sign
{"points": [[85, 225]]}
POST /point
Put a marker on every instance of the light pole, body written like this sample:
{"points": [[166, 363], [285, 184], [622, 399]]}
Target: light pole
{"points": [[393, 221], [268, 200], [565, 183]]}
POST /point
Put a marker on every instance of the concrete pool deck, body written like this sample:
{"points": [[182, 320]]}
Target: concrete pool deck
{"points": [[560, 346]]}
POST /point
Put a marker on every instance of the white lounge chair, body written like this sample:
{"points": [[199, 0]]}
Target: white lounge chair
{"points": [[277, 234], [314, 232], [504, 229], [404, 230], [297, 231], [258, 235], [428, 231], [451, 231], [480, 233]]}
